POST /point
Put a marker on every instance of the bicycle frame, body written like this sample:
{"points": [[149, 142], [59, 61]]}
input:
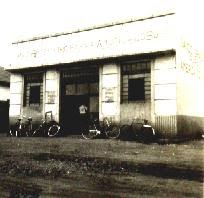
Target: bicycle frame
{"points": [[47, 127], [99, 128], [139, 130], [17, 129]]}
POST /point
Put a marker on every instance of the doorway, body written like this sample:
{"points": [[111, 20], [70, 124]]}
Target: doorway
{"points": [[78, 86], [71, 116], [4, 116]]}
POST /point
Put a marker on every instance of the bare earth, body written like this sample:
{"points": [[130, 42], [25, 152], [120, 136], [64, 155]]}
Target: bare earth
{"points": [[74, 167]]}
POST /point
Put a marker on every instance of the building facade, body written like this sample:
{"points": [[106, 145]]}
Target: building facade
{"points": [[136, 68]]}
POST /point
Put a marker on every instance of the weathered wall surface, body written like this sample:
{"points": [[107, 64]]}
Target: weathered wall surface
{"points": [[109, 94], [130, 111], [16, 90], [190, 94], [164, 94], [190, 69], [4, 93], [52, 84]]}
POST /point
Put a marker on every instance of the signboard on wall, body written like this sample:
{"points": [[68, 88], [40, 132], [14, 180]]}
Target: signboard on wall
{"points": [[50, 97], [142, 36], [109, 94]]}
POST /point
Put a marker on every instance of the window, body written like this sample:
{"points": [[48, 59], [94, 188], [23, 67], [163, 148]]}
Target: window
{"points": [[136, 89], [34, 95], [136, 81], [33, 89]]}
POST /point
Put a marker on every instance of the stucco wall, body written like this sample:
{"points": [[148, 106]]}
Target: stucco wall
{"points": [[132, 110], [164, 83], [4, 93], [190, 85], [51, 98], [16, 90], [109, 94]]}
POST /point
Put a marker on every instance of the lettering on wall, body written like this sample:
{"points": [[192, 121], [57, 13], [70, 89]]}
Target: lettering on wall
{"points": [[67, 46], [109, 94], [50, 97], [136, 37], [191, 60]]}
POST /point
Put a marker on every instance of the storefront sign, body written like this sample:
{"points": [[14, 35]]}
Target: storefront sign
{"points": [[156, 34]]}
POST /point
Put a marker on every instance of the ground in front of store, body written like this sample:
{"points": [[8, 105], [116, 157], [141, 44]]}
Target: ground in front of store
{"points": [[74, 167]]}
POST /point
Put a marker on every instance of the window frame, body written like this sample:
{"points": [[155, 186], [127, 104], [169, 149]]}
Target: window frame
{"points": [[135, 70], [33, 99], [32, 80]]}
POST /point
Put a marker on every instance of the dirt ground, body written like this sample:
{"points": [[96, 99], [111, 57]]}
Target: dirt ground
{"points": [[74, 167]]}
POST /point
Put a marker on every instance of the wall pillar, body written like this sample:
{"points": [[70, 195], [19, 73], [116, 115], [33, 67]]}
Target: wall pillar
{"points": [[165, 108], [16, 97], [52, 81], [109, 94]]}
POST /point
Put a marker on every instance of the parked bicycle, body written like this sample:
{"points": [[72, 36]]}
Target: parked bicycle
{"points": [[140, 129], [18, 129], [48, 128], [96, 128]]}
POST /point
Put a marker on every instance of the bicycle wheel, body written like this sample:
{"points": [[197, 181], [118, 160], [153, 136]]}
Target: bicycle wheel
{"points": [[35, 133], [89, 133], [126, 132], [12, 133], [147, 134], [19, 133], [53, 130], [137, 131], [113, 132], [39, 132]]}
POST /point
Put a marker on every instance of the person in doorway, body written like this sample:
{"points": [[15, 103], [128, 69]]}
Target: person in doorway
{"points": [[83, 111]]}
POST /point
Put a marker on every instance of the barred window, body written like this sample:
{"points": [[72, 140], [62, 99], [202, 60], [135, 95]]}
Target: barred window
{"points": [[136, 68], [33, 89], [136, 81]]}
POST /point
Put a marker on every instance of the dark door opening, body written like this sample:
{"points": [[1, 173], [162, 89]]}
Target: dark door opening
{"points": [[4, 116], [79, 85], [70, 113]]}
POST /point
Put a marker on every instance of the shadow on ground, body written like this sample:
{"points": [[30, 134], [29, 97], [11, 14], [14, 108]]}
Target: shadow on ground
{"points": [[94, 164]]}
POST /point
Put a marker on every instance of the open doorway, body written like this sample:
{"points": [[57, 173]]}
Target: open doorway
{"points": [[78, 87], [70, 112]]}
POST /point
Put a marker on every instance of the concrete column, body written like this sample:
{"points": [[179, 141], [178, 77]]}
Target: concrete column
{"points": [[52, 81], [165, 108], [16, 96], [110, 92]]}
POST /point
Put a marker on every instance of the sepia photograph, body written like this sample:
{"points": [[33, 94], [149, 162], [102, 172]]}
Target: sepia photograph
{"points": [[101, 99]]}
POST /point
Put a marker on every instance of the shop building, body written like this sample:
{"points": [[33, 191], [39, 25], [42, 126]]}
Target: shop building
{"points": [[136, 68]]}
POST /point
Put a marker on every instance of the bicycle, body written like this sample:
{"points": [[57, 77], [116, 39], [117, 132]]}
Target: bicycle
{"points": [[18, 129], [141, 130], [96, 128], [47, 128]]}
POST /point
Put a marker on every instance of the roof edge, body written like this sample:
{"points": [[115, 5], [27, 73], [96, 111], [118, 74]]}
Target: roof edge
{"points": [[93, 27]]}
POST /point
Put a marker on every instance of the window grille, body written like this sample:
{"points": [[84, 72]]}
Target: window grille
{"points": [[33, 89], [136, 81]]}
